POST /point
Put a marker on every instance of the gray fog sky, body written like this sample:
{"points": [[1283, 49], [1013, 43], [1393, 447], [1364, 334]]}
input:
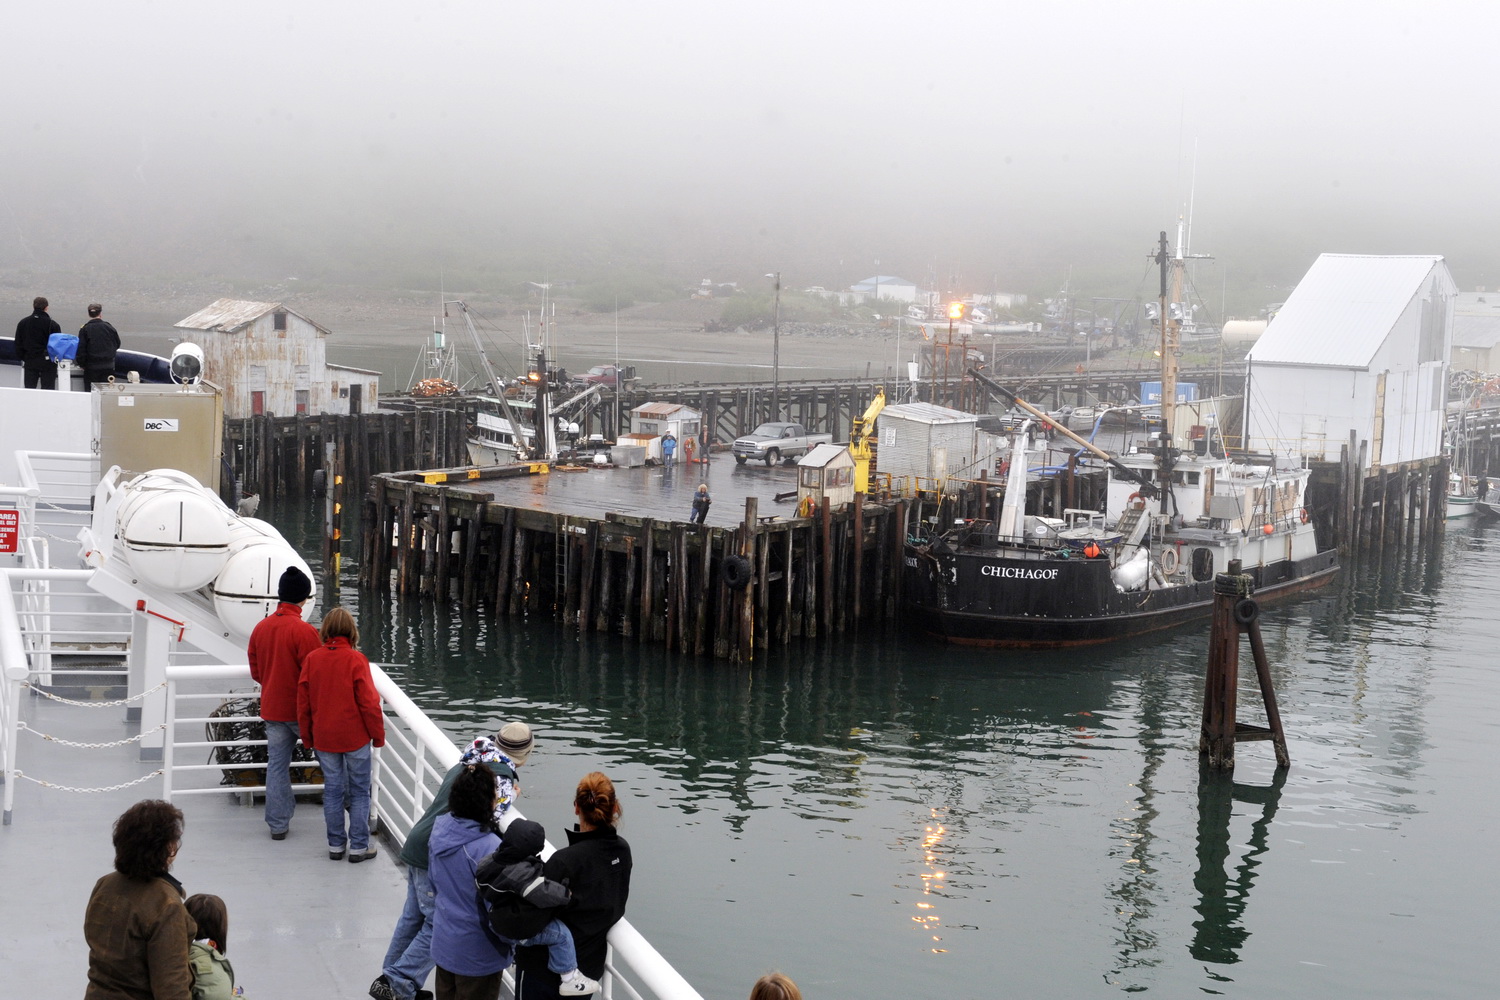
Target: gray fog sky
{"points": [[1000, 142]]}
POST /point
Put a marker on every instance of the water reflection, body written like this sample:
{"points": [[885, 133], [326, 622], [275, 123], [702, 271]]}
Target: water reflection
{"points": [[1223, 894]]}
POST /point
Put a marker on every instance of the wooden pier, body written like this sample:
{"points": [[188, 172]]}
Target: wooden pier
{"points": [[713, 590]]}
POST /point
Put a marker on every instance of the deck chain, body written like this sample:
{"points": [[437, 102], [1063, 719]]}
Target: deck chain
{"points": [[90, 791], [92, 746], [94, 704]]}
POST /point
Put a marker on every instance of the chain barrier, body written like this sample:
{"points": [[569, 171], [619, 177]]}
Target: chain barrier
{"points": [[90, 791], [94, 704], [91, 746]]}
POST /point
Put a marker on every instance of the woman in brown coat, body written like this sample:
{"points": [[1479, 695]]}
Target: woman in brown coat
{"points": [[137, 929]]}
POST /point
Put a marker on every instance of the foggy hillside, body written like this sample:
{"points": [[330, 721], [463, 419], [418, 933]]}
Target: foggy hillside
{"points": [[981, 147]]}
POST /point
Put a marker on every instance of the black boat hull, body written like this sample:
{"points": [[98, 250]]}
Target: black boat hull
{"points": [[986, 600]]}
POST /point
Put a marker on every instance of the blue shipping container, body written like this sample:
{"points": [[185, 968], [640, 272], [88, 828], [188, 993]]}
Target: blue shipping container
{"points": [[1186, 392]]}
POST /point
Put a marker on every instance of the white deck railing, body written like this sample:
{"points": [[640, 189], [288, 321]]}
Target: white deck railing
{"points": [[406, 774]]}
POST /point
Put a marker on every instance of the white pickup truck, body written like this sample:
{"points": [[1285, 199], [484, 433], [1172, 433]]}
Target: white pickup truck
{"points": [[777, 442]]}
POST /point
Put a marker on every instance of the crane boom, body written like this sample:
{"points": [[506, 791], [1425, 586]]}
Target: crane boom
{"points": [[860, 434], [1148, 488]]}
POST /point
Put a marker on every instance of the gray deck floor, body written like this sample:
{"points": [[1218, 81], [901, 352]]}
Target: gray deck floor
{"points": [[300, 925], [663, 492]]}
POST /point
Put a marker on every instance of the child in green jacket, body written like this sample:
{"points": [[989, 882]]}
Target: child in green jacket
{"points": [[213, 976]]}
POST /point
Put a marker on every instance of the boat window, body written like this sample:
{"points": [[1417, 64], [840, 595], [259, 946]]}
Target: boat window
{"points": [[1193, 478]]}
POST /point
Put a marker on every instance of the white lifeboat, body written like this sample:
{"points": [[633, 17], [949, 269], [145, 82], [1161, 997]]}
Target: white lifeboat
{"points": [[174, 532], [245, 591]]}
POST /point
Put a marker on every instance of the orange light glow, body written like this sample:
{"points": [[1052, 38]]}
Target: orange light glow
{"points": [[955, 310]]}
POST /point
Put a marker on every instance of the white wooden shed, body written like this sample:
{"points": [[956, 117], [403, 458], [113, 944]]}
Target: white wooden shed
{"points": [[1476, 332], [827, 470], [271, 359], [651, 422], [1362, 347], [923, 444]]}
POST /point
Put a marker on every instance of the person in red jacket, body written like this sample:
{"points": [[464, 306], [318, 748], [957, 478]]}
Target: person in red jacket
{"points": [[339, 711], [277, 647]]}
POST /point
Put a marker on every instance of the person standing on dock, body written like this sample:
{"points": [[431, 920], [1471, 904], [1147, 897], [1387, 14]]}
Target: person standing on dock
{"points": [[338, 712], [277, 648], [408, 960], [701, 502], [668, 448], [98, 342], [32, 334]]}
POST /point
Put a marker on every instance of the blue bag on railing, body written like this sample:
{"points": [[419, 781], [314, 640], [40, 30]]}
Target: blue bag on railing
{"points": [[62, 347]]}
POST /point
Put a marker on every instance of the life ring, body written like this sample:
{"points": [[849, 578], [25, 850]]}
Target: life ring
{"points": [[1246, 610], [805, 506], [1133, 498], [1304, 515], [1169, 561], [736, 572]]}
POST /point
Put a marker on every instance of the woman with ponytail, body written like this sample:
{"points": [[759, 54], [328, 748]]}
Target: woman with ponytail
{"points": [[596, 867]]}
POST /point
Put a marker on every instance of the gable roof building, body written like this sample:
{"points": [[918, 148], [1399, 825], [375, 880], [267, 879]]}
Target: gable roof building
{"points": [[272, 360], [1361, 349]]}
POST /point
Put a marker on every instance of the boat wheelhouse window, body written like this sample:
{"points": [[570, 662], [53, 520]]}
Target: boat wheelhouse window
{"points": [[1193, 478]]}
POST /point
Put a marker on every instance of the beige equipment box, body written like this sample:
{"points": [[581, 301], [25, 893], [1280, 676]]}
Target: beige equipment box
{"points": [[141, 427]]}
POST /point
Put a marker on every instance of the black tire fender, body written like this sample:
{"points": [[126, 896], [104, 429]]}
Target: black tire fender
{"points": [[736, 571], [1246, 610]]}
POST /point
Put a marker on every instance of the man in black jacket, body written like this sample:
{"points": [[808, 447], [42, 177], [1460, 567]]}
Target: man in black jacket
{"points": [[31, 346], [98, 341]]}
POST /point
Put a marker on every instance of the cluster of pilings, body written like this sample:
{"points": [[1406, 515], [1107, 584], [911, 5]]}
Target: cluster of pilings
{"points": [[292, 456], [727, 592]]}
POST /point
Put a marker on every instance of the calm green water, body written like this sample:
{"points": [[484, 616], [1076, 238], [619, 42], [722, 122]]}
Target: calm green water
{"points": [[887, 818]]}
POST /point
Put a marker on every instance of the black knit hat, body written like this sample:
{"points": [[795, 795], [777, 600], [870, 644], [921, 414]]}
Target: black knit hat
{"points": [[294, 587]]}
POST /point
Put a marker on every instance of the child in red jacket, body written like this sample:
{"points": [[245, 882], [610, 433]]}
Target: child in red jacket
{"points": [[339, 713]]}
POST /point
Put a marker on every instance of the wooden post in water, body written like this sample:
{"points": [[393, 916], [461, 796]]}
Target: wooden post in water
{"points": [[1235, 611], [746, 647]]}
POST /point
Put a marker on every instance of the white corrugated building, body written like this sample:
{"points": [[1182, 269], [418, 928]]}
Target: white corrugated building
{"points": [[1476, 331], [271, 359], [1362, 345], [923, 444]]}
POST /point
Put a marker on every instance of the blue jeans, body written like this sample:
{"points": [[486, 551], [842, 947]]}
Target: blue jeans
{"points": [[281, 740], [346, 782], [561, 955], [408, 961]]}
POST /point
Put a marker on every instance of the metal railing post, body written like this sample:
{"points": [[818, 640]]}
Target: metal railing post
{"points": [[169, 741]]}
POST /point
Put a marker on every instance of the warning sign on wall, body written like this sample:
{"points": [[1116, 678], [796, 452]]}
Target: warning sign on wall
{"points": [[10, 530]]}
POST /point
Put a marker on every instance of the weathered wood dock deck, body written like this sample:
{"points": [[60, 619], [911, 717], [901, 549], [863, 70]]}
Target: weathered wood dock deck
{"points": [[612, 550]]}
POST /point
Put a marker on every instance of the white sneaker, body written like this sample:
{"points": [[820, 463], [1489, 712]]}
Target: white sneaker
{"points": [[579, 986]]}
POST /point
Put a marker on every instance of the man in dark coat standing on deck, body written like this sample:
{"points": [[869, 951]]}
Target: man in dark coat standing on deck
{"points": [[277, 648], [31, 346], [98, 341]]}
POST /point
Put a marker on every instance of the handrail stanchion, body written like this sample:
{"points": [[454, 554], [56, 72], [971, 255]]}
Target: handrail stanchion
{"points": [[12, 721], [169, 738]]}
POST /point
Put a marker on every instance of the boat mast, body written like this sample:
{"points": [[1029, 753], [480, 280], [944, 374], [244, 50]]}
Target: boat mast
{"points": [[499, 390]]}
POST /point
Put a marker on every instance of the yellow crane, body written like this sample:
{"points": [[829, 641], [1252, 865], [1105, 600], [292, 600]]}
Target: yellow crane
{"points": [[860, 437]]}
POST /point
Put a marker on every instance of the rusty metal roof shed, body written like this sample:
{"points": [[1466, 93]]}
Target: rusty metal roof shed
{"points": [[233, 315], [661, 410], [1344, 308]]}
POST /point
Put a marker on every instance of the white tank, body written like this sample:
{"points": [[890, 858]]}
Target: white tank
{"points": [[245, 591], [1241, 334], [175, 532]]}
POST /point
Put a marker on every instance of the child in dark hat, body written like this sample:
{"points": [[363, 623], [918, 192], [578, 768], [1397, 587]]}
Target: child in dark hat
{"points": [[294, 586], [522, 903]]}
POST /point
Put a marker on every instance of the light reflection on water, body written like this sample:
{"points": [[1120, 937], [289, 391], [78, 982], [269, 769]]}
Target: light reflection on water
{"points": [[884, 817]]}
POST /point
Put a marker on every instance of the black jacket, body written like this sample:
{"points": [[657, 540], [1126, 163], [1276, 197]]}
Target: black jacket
{"points": [[595, 866], [31, 339], [521, 901], [98, 341]]}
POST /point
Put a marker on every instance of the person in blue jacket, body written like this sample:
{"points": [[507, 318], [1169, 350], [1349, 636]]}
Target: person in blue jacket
{"points": [[470, 957], [668, 448]]}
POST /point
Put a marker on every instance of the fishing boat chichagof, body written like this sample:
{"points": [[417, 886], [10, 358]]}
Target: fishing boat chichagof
{"points": [[1173, 520]]}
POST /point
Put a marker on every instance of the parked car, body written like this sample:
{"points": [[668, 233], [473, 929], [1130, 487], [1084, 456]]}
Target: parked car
{"points": [[606, 375], [777, 442]]}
